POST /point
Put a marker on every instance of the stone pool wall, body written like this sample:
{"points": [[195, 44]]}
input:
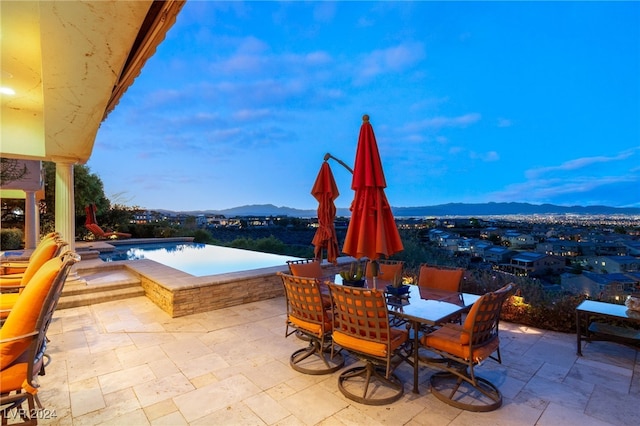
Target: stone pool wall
{"points": [[181, 294]]}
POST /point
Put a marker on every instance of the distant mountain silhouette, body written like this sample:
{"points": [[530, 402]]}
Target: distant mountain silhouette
{"points": [[450, 209]]}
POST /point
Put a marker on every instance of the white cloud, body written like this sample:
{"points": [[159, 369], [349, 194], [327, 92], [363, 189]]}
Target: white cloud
{"points": [[441, 121], [390, 60], [579, 163]]}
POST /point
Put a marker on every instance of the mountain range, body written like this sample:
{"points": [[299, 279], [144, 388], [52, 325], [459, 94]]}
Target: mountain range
{"points": [[450, 209]]}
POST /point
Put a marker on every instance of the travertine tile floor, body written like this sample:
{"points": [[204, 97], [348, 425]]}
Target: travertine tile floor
{"points": [[128, 363]]}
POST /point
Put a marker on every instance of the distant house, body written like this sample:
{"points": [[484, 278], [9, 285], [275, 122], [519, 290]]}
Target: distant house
{"points": [[497, 255], [614, 286], [480, 247], [633, 247], [536, 264], [519, 240], [612, 264], [558, 247]]}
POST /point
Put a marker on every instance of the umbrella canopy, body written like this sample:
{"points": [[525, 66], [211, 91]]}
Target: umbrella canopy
{"points": [[372, 231], [325, 191], [91, 214]]}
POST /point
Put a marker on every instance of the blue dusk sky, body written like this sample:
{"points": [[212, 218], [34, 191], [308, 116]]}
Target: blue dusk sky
{"points": [[470, 102]]}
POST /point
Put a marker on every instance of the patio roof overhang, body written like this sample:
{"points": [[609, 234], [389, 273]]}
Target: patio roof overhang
{"points": [[64, 67]]}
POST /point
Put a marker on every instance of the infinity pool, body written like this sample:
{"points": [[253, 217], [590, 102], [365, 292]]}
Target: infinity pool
{"points": [[197, 259]]}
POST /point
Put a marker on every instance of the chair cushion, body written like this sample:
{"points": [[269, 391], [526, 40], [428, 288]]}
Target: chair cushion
{"points": [[310, 270], [312, 327], [6, 280], [12, 378], [441, 279], [386, 271], [95, 229], [26, 310], [379, 349], [46, 251], [451, 339], [7, 300]]}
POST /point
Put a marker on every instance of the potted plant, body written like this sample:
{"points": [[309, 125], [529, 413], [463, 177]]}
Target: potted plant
{"points": [[354, 276], [399, 285]]}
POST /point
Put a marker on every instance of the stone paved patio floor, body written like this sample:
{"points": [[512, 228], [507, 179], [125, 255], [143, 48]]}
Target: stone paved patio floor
{"points": [[128, 363]]}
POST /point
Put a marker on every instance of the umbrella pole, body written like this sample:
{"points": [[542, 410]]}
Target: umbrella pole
{"points": [[342, 163], [374, 273]]}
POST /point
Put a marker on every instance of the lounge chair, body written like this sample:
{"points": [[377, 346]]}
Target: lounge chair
{"points": [[9, 267], [92, 225], [46, 250], [23, 341]]}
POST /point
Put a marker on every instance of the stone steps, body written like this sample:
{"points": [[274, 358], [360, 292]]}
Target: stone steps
{"points": [[97, 285]]}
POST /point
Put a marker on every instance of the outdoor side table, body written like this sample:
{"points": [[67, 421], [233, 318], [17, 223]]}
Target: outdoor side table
{"points": [[592, 318]]}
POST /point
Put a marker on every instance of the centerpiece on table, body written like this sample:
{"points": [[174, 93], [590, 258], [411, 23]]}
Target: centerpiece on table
{"points": [[399, 285], [353, 277]]}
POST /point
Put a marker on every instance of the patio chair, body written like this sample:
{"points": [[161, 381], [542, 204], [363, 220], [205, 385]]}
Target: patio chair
{"points": [[309, 268], [388, 270], [440, 277], [18, 266], [306, 314], [461, 348], [362, 328], [23, 341], [45, 251]]}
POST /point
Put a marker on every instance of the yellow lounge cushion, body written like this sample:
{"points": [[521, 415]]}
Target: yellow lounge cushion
{"points": [[7, 300], [25, 312]]}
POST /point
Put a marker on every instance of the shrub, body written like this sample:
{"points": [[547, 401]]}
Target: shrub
{"points": [[204, 237], [10, 239]]}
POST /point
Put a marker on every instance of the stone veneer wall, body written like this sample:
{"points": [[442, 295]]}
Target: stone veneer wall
{"points": [[191, 299]]}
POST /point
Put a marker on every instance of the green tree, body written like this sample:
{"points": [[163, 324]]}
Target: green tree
{"points": [[88, 189]]}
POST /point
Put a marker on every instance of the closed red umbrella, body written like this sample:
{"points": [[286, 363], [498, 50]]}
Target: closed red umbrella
{"points": [[91, 214], [325, 191], [372, 230]]}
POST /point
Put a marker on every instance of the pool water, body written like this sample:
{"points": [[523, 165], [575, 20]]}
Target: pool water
{"points": [[197, 259]]}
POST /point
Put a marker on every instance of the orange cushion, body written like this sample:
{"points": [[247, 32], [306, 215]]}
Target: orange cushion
{"points": [[12, 378], [25, 312], [6, 281], [7, 300], [449, 339], [386, 271], [441, 279], [369, 347], [46, 251], [95, 229], [310, 270], [312, 327]]}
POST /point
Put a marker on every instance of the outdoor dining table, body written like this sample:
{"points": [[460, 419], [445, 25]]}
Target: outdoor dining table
{"points": [[423, 306]]}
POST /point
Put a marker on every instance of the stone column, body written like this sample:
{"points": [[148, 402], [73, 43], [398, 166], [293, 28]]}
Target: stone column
{"points": [[66, 213], [31, 220], [65, 206]]}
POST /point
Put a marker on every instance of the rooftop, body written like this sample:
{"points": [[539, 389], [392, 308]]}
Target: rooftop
{"points": [[129, 362]]}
